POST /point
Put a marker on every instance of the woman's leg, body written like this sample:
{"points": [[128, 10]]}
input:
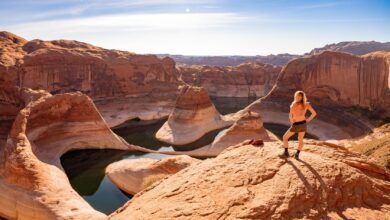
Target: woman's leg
{"points": [[301, 135], [287, 136]]}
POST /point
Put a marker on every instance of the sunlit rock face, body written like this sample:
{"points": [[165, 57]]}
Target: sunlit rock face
{"points": [[247, 127], [193, 116], [337, 85], [133, 176], [248, 79], [33, 184], [112, 78], [249, 182], [66, 66], [340, 79]]}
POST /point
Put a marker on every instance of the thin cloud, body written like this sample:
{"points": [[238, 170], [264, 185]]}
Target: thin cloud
{"points": [[322, 5], [133, 22]]}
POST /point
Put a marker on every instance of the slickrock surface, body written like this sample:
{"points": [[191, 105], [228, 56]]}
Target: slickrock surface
{"points": [[374, 145], [247, 182], [249, 79], [132, 176], [247, 127], [33, 184], [354, 47], [193, 116]]}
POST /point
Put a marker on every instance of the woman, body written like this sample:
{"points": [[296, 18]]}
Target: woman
{"points": [[298, 121]]}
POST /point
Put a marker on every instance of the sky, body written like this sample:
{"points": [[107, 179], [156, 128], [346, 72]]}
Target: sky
{"points": [[200, 27]]}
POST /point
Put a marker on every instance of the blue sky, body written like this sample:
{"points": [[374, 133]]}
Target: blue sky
{"points": [[200, 27]]}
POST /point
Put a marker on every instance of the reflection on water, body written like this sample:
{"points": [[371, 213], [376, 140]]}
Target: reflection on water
{"points": [[86, 172], [86, 168]]}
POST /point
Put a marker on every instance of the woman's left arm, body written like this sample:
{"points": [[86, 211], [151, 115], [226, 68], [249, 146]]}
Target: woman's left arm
{"points": [[313, 113]]}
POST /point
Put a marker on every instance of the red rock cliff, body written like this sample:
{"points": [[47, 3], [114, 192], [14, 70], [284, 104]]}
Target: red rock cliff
{"points": [[247, 79], [339, 78], [63, 66]]}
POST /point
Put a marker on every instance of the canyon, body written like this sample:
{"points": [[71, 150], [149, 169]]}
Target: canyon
{"points": [[60, 96], [245, 80]]}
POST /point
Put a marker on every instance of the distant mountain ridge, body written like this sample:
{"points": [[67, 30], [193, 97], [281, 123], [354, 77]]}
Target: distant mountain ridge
{"points": [[278, 60], [352, 47]]}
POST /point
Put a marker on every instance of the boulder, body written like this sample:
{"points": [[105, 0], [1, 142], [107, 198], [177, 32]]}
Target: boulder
{"points": [[133, 176]]}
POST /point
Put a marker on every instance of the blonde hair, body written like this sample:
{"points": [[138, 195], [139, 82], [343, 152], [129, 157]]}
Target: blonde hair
{"points": [[299, 98]]}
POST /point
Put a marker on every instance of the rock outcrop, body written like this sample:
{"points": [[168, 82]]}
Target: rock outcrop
{"points": [[247, 182], [193, 116], [33, 184], [245, 80], [353, 47], [113, 76], [375, 145], [133, 176], [248, 127], [341, 79], [337, 85]]}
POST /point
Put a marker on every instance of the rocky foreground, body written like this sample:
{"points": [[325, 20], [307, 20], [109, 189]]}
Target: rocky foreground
{"points": [[248, 182]]}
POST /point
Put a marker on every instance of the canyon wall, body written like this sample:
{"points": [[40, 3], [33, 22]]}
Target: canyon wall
{"points": [[245, 80], [61, 66], [333, 78], [278, 59]]}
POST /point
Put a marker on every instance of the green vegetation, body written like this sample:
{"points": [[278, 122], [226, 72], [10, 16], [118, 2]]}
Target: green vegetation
{"points": [[377, 148]]}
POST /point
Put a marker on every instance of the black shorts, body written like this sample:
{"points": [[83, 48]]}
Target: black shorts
{"points": [[300, 126]]}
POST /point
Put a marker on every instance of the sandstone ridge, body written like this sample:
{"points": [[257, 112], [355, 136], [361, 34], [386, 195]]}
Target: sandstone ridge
{"points": [[247, 182]]}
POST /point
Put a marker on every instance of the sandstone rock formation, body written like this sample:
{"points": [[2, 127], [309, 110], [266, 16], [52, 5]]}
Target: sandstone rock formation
{"points": [[33, 184], [248, 127], [247, 182], [375, 145], [194, 115], [340, 78], [337, 85], [245, 80], [353, 47], [133, 176], [61, 66], [278, 59]]}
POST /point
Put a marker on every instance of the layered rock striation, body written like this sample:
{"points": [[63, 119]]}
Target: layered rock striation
{"points": [[33, 184], [194, 115], [338, 85], [109, 77], [248, 79]]}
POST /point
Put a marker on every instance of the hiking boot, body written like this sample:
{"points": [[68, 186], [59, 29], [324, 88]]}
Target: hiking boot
{"points": [[285, 154], [296, 156]]}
